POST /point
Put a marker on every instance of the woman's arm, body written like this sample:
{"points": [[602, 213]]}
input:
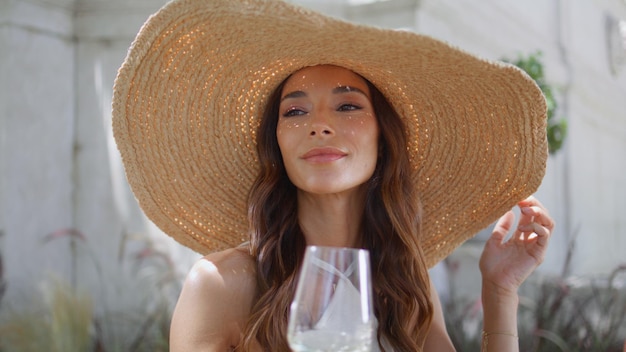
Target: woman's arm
{"points": [[500, 320], [214, 303], [505, 265]]}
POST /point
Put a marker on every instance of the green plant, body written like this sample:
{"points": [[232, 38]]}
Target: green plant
{"points": [[574, 315], [67, 320], [61, 322], [555, 315], [557, 128]]}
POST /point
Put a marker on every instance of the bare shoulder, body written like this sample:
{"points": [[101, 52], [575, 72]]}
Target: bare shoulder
{"points": [[233, 263], [229, 271], [215, 302]]}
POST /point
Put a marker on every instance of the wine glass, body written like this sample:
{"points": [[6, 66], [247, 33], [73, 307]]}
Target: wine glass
{"points": [[332, 309]]}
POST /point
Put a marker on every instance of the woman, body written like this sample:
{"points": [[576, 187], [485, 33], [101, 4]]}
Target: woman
{"points": [[336, 165]]}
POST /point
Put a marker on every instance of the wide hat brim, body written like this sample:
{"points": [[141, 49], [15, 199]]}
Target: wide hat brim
{"points": [[189, 95]]}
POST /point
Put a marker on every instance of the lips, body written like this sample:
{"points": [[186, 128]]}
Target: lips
{"points": [[323, 155]]}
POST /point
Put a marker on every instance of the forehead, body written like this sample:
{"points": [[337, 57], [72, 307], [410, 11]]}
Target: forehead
{"points": [[323, 76]]}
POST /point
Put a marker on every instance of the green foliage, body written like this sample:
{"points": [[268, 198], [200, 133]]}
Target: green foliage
{"points": [[62, 323], [64, 320], [574, 315], [555, 315], [557, 128]]}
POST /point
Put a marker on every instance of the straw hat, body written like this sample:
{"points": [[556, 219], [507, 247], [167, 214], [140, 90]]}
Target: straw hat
{"points": [[188, 98]]}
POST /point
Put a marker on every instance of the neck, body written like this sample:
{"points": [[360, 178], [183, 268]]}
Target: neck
{"points": [[331, 219]]}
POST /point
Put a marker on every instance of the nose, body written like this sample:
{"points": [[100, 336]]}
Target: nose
{"points": [[321, 125]]}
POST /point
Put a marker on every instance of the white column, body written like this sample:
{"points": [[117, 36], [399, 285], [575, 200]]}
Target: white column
{"points": [[106, 210], [37, 128]]}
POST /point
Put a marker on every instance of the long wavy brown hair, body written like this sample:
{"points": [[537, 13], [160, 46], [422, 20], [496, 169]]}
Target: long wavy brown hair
{"points": [[390, 226]]}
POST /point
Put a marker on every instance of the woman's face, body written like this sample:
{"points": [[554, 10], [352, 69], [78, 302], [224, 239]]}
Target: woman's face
{"points": [[327, 131]]}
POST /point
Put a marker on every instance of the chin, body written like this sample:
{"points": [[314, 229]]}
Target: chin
{"points": [[328, 188]]}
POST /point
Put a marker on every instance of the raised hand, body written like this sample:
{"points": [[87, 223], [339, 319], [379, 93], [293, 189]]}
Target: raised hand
{"points": [[505, 265]]}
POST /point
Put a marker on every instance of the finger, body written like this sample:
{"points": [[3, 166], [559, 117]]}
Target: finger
{"points": [[533, 212], [535, 228], [540, 215], [530, 201], [535, 231], [538, 210], [526, 220], [503, 226]]}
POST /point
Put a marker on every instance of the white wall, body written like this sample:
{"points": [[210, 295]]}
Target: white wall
{"points": [[37, 106], [597, 147], [60, 168], [106, 210]]}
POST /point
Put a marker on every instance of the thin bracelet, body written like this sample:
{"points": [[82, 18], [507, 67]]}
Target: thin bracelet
{"points": [[485, 337]]}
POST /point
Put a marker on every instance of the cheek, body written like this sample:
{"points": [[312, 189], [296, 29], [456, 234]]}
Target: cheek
{"points": [[288, 132], [371, 137], [288, 125], [364, 130]]}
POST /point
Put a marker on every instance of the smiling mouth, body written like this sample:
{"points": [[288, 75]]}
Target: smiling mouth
{"points": [[323, 155]]}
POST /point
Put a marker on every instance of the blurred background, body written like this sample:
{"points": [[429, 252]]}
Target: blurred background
{"points": [[81, 268]]}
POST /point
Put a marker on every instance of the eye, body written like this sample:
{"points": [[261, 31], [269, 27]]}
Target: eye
{"points": [[348, 107], [294, 112]]}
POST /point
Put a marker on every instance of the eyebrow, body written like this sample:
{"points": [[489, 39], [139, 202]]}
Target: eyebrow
{"points": [[336, 90], [294, 94]]}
